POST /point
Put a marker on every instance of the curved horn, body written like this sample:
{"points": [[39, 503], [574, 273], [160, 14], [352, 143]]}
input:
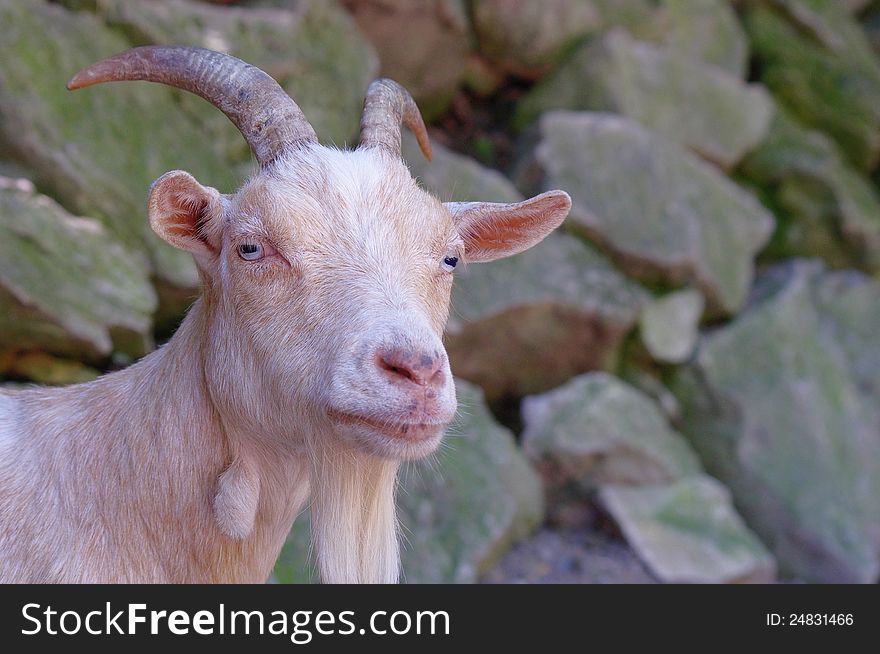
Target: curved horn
{"points": [[265, 115], [386, 107]]}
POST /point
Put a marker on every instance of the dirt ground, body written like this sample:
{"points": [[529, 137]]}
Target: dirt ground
{"points": [[568, 555]]}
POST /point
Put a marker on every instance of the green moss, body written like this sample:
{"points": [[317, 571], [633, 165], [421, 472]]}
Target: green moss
{"points": [[781, 404], [689, 532], [650, 84], [828, 90], [825, 207], [662, 212], [66, 284]]}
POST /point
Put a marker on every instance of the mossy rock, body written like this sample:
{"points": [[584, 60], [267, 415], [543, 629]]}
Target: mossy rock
{"points": [[66, 284], [459, 510], [650, 84], [782, 405], [663, 214]]}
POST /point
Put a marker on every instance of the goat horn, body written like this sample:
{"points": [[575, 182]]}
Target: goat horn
{"points": [[386, 107], [266, 116]]}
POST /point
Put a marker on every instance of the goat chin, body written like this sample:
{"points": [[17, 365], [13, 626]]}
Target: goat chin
{"points": [[354, 524]]}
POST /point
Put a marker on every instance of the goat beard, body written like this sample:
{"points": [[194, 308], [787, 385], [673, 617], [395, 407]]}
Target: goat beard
{"points": [[354, 521]]}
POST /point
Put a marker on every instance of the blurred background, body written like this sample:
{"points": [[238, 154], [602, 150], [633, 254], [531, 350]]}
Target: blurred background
{"points": [[682, 385]]}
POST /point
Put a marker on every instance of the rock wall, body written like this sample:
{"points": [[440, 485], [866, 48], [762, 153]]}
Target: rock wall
{"points": [[692, 362]]}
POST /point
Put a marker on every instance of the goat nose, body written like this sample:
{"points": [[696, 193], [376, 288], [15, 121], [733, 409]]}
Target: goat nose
{"points": [[404, 364]]}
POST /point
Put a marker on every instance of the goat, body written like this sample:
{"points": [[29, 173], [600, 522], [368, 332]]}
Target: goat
{"points": [[310, 366]]}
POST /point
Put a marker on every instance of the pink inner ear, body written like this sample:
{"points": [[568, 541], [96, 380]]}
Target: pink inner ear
{"points": [[184, 215], [179, 230], [501, 229], [179, 211], [179, 224], [492, 230]]}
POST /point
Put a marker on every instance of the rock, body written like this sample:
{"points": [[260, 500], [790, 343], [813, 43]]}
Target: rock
{"points": [[646, 379], [848, 302], [820, 196], [460, 510], [638, 17], [66, 285], [669, 325], [15, 172], [830, 23], [468, 505], [529, 37], [453, 177], [570, 556], [597, 430], [424, 45], [45, 369], [528, 323], [7, 358], [688, 532], [855, 6], [651, 84], [311, 47], [72, 143], [662, 212], [834, 91], [807, 224], [871, 25], [782, 404], [708, 31]]}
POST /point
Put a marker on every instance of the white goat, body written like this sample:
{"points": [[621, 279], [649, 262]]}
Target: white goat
{"points": [[309, 367]]}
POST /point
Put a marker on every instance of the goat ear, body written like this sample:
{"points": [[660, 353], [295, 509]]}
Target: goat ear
{"points": [[491, 231], [186, 214]]}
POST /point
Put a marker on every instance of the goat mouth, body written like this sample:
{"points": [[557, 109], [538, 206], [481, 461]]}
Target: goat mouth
{"points": [[412, 432]]}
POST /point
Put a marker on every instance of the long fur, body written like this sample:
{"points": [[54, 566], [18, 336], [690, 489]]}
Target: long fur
{"points": [[191, 465], [354, 526], [115, 480]]}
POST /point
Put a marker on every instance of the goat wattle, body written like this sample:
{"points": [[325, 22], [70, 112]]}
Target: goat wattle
{"points": [[310, 366]]}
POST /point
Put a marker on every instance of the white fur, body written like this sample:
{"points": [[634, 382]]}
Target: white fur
{"points": [[191, 465]]}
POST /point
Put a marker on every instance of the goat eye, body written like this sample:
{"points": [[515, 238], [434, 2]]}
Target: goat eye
{"points": [[449, 263], [250, 251]]}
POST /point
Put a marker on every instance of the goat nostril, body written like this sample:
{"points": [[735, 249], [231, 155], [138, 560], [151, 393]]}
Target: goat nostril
{"points": [[403, 364], [397, 371]]}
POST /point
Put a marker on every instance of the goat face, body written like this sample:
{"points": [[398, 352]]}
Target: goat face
{"points": [[328, 274]]}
